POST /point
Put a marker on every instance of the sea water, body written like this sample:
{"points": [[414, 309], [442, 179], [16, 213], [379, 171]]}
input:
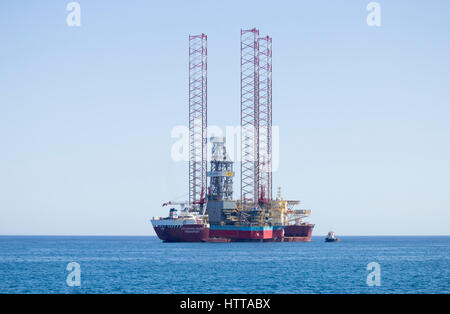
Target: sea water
{"points": [[30, 264]]}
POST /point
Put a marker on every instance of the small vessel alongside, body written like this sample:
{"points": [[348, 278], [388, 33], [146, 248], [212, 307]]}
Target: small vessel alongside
{"points": [[331, 237]]}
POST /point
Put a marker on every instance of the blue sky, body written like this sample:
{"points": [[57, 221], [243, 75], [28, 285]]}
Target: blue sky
{"points": [[86, 112]]}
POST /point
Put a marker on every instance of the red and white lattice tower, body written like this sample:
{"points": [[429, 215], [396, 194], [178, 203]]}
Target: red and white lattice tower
{"points": [[249, 118], [265, 120], [197, 120]]}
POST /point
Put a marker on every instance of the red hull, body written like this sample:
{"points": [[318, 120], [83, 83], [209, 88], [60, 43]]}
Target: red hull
{"points": [[219, 240], [304, 230], [201, 233], [242, 235], [296, 239], [186, 233], [277, 236]]}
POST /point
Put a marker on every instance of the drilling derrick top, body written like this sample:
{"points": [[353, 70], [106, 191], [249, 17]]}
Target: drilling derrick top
{"points": [[221, 174]]}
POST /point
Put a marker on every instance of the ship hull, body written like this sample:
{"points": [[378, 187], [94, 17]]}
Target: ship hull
{"points": [[241, 233], [231, 233], [298, 233], [296, 239], [185, 233], [277, 234], [291, 233]]}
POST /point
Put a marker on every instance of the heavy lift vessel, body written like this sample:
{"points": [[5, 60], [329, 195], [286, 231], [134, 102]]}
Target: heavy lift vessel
{"points": [[211, 214]]}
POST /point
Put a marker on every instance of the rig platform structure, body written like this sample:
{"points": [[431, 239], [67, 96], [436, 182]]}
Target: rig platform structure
{"points": [[212, 214]]}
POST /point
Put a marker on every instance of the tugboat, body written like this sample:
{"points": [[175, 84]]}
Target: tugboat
{"points": [[331, 237]]}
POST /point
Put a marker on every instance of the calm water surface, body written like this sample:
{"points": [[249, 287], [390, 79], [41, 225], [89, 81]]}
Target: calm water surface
{"points": [[146, 265]]}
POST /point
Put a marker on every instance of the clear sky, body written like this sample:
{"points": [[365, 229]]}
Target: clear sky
{"points": [[86, 112]]}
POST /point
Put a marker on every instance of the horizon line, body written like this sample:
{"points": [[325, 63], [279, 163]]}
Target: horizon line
{"points": [[130, 235]]}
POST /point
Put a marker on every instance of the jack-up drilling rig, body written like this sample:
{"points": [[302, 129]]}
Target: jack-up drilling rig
{"points": [[212, 214]]}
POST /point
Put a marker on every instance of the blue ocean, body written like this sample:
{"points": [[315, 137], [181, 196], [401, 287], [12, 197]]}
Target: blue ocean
{"points": [[146, 265]]}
